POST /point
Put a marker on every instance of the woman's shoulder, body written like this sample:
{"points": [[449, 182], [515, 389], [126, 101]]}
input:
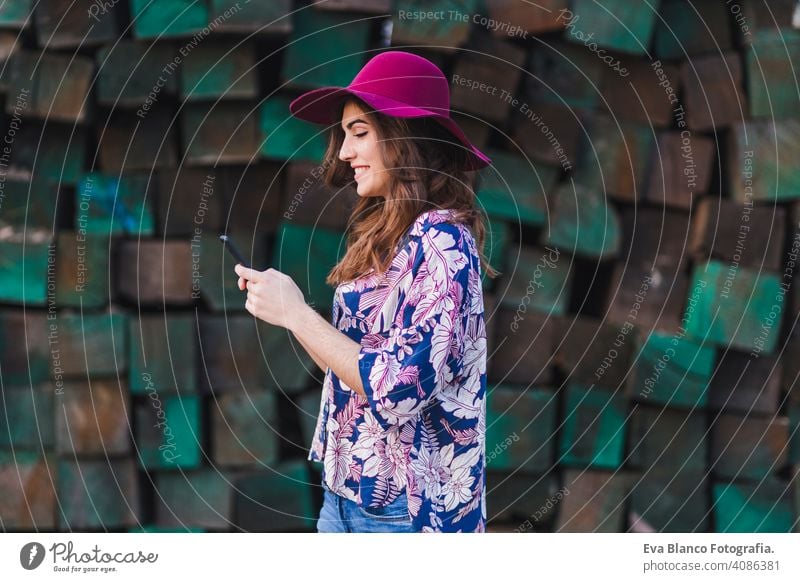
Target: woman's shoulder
{"points": [[444, 222]]}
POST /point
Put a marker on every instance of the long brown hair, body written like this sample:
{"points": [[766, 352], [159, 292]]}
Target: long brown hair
{"points": [[425, 171]]}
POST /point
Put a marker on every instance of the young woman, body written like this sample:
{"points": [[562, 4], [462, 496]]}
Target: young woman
{"points": [[401, 429]]}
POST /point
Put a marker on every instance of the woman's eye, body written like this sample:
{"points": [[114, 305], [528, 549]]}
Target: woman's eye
{"points": [[360, 134]]}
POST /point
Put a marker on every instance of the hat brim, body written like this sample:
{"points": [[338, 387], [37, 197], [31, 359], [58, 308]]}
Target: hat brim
{"points": [[318, 106]]}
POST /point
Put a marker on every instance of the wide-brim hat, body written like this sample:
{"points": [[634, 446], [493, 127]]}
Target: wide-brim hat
{"points": [[395, 83]]}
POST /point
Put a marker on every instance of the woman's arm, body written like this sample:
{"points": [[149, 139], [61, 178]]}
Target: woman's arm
{"points": [[312, 353]]}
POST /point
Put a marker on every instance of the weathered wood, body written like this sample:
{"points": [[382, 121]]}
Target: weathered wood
{"points": [[662, 501], [737, 307], [495, 244], [26, 417], [28, 256], [24, 348], [222, 69], [592, 501], [202, 498], [49, 86], [745, 384], [244, 428], [163, 354], [92, 344], [52, 150], [28, 502], [582, 223], [129, 143], [659, 436], [681, 168], [593, 428], [261, 16], [748, 447], [649, 296], [156, 272], [31, 203], [712, 91], [97, 495], [251, 199], [520, 498], [447, 29], [515, 189], [64, 23], [685, 29], [671, 370], [307, 200], [226, 349], [524, 348], [16, 15], [538, 278], [221, 132], [189, 198], [115, 204], [82, 270], [562, 73], [169, 432], [770, 62], [363, 6], [289, 365], [543, 16], [547, 132], [790, 364], [614, 24], [751, 19], [638, 95], [763, 506], [277, 499], [284, 137], [519, 429], [169, 18], [129, 71], [91, 419]]}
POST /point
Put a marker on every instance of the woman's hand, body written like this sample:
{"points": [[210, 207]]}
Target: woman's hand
{"points": [[272, 296]]}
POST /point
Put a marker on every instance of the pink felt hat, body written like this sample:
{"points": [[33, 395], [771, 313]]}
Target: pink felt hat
{"points": [[395, 83]]}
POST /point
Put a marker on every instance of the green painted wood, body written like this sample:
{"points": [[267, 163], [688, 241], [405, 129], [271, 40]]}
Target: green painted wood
{"points": [[445, 30], [218, 285], [38, 87], [25, 257], [712, 91], [219, 70], [748, 447], [202, 499], [128, 71], [520, 427], [169, 432], [760, 154], [770, 63], [31, 203], [565, 74], [28, 502], [157, 272], [495, 244], [761, 507], [52, 151], [168, 18], [227, 352], [24, 349], [82, 270], [307, 255], [615, 25], [592, 501], [96, 340], [163, 354], [131, 142], [222, 132], [661, 501], [92, 419], [658, 436], [278, 499], [16, 15], [244, 428], [671, 370], [745, 384], [731, 307], [262, 16], [62, 24], [686, 29], [284, 137], [518, 497], [97, 495], [324, 48], [538, 279], [593, 431], [514, 189], [26, 417], [114, 204], [583, 223], [527, 342]]}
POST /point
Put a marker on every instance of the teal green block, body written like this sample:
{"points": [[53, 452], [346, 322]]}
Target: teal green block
{"points": [[55, 151], [764, 507], [96, 339], [29, 203], [583, 223], [172, 441], [220, 70], [594, 428], [729, 307], [514, 189], [284, 137], [97, 494], [690, 28], [201, 499], [163, 354], [262, 16], [128, 70], [538, 279], [615, 24], [16, 13], [325, 48], [447, 31], [672, 370], [23, 268], [766, 151], [111, 205], [771, 62], [167, 18], [26, 418], [495, 244], [307, 255]]}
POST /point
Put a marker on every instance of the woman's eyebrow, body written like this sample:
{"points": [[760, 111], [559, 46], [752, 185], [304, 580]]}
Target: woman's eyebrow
{"points": [[349, 125]]}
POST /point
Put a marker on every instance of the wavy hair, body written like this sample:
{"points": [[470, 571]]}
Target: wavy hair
{"points": [[425, 165]]}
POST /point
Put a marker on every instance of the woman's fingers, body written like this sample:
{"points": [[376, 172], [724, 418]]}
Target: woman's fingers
{"points": [[242, 284]]}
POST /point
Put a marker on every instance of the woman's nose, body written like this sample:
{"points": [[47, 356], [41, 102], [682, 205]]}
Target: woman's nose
{"points": [[345, 152]]}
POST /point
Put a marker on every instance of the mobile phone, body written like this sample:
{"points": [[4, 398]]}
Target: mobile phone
{"points": [[228, 242]]}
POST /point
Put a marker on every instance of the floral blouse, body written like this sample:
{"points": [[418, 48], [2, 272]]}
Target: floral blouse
{"points": [[422, 363]]}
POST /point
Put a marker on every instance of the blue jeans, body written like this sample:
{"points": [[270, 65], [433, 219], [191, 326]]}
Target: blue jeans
{"points": [[340, 515]]}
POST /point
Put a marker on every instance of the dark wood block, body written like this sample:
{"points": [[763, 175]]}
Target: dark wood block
{"points": [[748, 447], [547, 132], [26, 417], [660, 436], [675, 180], [523, 348], [251, 198], [92, 419], [27, 256], [686, 29], [202, 498], [285, 137], [260, 16], [63, 24], [132, 142], [129, 71], [444, 31], [190, 199], [226, 348], [671, 370], [156, 272], [520, 429], [169, 18], [745, 384], [277, 499], [91, 345], [30, 202], [116, 204], [289, 365], [82, 270], [761, 507], [589, 351], [24, 348], [163, 354], [307, 200], [169, 432], [712, 91], [771, 60], [221, 132], [98, 495], [364, 6], [593, 430], [637, 94], [662, 501], [533, 18], [519, 499], [244, 428], [615, 26], [219, 70], [563, 74], [753, 20], [592, 501], [539, 279], [28, 502], [53, 151]]}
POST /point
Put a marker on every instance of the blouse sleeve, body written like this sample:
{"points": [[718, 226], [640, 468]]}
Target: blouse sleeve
{"points": [[402, 368]]}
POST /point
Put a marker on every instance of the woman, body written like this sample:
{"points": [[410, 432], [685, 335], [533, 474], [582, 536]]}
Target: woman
{"points": [[402, 416]]}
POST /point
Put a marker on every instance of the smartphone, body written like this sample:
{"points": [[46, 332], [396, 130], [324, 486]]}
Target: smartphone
{"points": [[228, 242]]}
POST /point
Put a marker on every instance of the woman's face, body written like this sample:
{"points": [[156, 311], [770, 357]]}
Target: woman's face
{"points": [[360, 150]]}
